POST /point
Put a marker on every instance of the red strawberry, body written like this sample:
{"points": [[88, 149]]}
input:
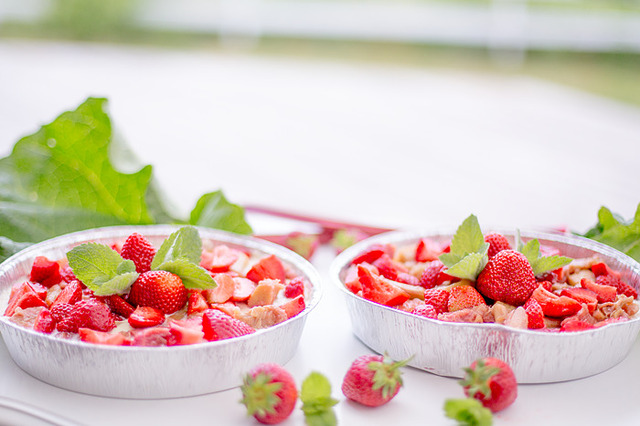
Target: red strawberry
{"points": [[492, 382], [438, 298], [428, 250], [22, 296], [45, 272], [351, 280], [535, 315], [146, 316], [71, 293], [225, 289], [268, 267], [186, 332], [378, 290], [220, 260], [497, 243], [604, 293], [294, 306], [295, 288], [138, 249], [196, 302], [118, 305], [621, 286], [576, 325], [67, 274], [61, 311], [553, 305], [269, 392], [429, 277], [89, 314], [508, 278], [427, 311], [373, 380], [463, 296], [156, 336], [159, 289], [603, 269], [218, 326], [372, 253], [102, 338], [44, 322], [388, 268], [582, 295]]}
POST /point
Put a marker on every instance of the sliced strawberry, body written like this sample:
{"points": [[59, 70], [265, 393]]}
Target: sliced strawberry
{"points": [[45, 271], [429, 277], [71, 293], [118, 305], [582, 295], [139, 250], [44, 322], [218, 326], [67, 275], [377, 290], [372, 253], [438, 298], [22, 296], [428, 250], [196, 302], [40, 290], [220, 259], [185, 332], [224, 290], [103, 338], [243, 288], [295, 288], [388, 268], [464, 296], [427, 311], [535, 316], [268, 267], [604, 293], [146, 316], [621, 286], [553, 305], [91, 314], [156, 336], [603, 269], [576, 325], [294, 306]]}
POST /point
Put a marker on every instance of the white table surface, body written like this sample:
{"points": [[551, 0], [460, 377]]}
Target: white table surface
{"points": [[382, 145]]}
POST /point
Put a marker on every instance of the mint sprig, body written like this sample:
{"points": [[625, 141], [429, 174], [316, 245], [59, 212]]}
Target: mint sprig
{"points": [[102, 269], [468, 411], [540, 264], [468, 254], [317, 402]]}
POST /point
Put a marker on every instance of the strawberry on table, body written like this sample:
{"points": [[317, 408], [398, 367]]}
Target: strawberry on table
{"points": [[159, 289], [139, 250], [507, 277], [373, 380], [269, 392], [492, 382]]}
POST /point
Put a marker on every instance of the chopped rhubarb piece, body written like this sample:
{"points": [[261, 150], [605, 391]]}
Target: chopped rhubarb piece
{"points": [[388, 268], [45, 271], [378, 290], [407, 278], [601, 268], [269, 267], [196, 302], [372, 253], [604, 293], [553, 305], [295, 288], [224, 290], [146, 316], [428, 250], [157, 336], [72, 293], [218, 326], [294, 306], [243, 289], [40, 290], [351, 280], [22, 296], [103, 338], [576, 325], [185, 333], [535, 316], [44, 322], [265, 293], [582, 295]]}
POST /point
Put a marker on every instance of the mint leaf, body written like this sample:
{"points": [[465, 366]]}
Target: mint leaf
{"points": [[614, 231], [468, 237], [539, 264], [192, 275], [317, 403], [213, 210], [102, 269], [468, 411], [531, 250], [185, 243], [470, 266]]}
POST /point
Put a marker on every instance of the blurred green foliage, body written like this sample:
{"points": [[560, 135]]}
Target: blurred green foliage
{"points": [[90, 19]]}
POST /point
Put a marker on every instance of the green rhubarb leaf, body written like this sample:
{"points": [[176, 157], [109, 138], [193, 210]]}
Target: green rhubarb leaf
{"points": [[9, 247], [185, 243], [468, 411], [192, 275], [213, 210], [614, 231], [102, 269], [317, 402]]}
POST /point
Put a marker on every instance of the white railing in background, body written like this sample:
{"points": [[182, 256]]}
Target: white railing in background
{"points": [[502, 25]]}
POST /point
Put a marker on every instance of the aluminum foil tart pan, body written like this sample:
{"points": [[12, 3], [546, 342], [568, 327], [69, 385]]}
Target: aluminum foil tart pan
{"points": [[444, 348], [148, 372]]}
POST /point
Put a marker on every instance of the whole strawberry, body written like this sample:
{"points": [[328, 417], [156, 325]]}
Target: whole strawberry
{"points": [[492, 382], [497, 243], [373, 380], [159, 289], [269, 393], [137, 249], [507, 277]]}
